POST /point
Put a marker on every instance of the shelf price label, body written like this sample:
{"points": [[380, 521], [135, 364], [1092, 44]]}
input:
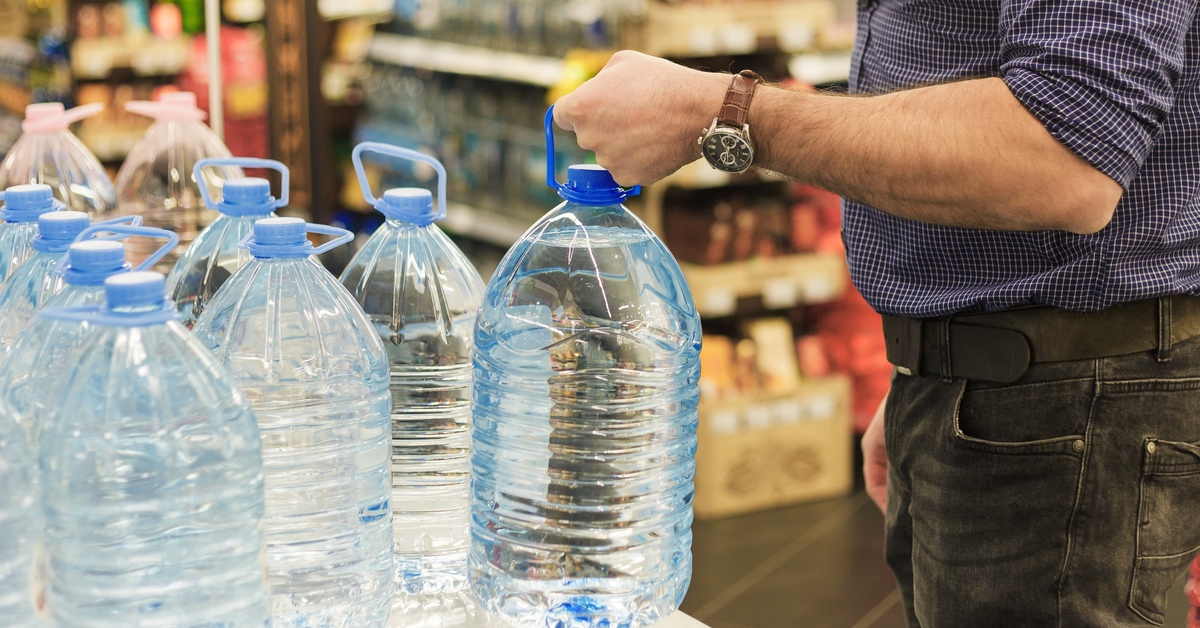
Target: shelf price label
{"points": [[779, 294], [819, 287], [718, 302], [723, 422]]}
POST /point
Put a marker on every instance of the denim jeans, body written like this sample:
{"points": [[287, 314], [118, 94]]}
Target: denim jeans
{"points": [[1068, 498]]}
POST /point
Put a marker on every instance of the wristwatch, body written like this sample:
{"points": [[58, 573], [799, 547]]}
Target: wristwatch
{"points": [[726, 144]]}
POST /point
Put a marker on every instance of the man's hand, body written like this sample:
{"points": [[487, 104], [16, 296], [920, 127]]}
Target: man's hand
{"points": [[642, 115], [875, 464]]}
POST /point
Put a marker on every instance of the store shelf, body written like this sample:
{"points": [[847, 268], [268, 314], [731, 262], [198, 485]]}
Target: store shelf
{"points": [[96, 59], [374, 10], [767, 450], [483, 225], [703, 30], [774, 283], [440, 56], [820, 68]]}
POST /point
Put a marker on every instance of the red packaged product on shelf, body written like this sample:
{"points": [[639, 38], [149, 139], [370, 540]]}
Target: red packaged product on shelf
{"points": [[814, 361], [848, 331]]}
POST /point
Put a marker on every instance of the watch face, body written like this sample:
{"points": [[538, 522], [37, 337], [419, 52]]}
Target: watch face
{"points": [[727, 150]]}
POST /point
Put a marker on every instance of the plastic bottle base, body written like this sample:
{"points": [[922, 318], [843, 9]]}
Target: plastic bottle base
{"points": [[431, 574]]}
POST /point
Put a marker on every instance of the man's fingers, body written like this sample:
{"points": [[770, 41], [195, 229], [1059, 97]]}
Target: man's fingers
{"points": [[878, 494], [563, 110]]}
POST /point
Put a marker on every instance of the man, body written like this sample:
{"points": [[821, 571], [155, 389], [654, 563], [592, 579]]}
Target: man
{"points": [[1023, 185]]}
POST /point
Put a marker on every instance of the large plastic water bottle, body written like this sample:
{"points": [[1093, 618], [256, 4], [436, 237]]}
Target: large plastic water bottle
{"points": [[317, 377], [586, 385], [33, 367], [23, 205], [47, 152], [38, 279], [18, 520], [156, 180], [421, 294], [216, 254], [151, 474]]}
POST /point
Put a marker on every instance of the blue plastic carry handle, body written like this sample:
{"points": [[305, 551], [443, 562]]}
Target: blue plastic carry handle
{"points": [[402, 153], [243, 162], [120, 232]]}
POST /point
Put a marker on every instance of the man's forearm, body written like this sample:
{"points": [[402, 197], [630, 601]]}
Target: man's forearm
{"points": [[965, 154]]}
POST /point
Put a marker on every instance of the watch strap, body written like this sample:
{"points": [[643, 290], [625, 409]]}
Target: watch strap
{"points": [[736, 108]]}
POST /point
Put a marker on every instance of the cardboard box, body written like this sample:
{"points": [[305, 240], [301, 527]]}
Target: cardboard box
{"points": [[774, 450]]}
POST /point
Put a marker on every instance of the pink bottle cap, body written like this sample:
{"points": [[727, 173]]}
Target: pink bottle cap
{"points": [[52, 117], [177, 106]]}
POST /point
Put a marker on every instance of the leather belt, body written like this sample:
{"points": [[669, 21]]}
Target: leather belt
{"points": [[1001, 346]]}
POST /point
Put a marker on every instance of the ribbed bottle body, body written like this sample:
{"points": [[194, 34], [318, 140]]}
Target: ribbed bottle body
{"points": [[24, 293], [15, 246], [316, 375], [211, 259], [61, 161], [19, 520], [421, 294], [156, 183], [152, 483], [586, 387]]}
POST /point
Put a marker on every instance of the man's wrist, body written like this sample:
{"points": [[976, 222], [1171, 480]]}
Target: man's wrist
{"points": [[706, 98], [759, 122]]}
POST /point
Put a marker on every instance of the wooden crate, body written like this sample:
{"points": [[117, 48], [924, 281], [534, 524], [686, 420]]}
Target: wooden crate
{"points": [[775, 450]]}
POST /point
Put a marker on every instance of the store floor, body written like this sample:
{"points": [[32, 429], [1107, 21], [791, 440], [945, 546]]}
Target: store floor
{"points": [[817, 565]]}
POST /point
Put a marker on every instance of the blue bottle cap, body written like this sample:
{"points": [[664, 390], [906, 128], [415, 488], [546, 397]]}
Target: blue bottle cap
{"points": [[590, 177], [62, 226], [413, 205], [280, 231], [589, 184], [28, 196], [249, 196], [92, 261], [288, 237], [140, 290], [25, 203]]}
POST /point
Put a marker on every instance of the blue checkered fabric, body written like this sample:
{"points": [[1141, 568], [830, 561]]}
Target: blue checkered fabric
{"points": [[1116, 81]]}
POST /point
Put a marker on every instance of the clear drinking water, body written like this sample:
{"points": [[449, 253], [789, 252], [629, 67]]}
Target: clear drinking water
{"points": [[18, 520], [421, 294], [212, 258], [586, 385], [151, 470], [23, 205], [33, 366], [38, 279], [316, 375], [157, 180], [47, 152]]}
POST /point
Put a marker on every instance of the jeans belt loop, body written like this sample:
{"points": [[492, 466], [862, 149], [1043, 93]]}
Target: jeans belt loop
{"points": [[943, 331], [1164, 329]]}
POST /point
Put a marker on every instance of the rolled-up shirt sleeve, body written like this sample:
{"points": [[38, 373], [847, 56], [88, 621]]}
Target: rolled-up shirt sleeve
{"points": [[1099, 74]]}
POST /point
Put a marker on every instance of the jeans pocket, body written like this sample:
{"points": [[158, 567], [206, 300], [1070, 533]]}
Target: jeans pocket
{"points": [[1168, 537], [1039, 418]]}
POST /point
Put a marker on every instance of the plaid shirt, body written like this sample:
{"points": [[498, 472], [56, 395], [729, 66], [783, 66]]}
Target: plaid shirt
{"points": [[1116, 81]]}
